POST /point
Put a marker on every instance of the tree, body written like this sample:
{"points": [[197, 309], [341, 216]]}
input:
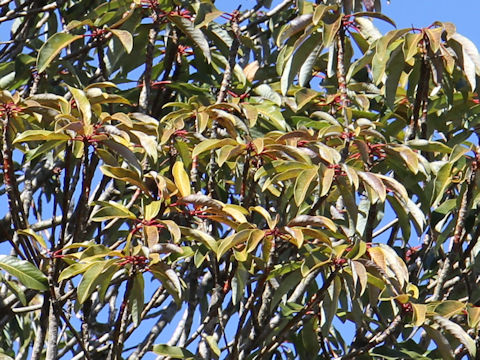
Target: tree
{"points": [[195, 184]]}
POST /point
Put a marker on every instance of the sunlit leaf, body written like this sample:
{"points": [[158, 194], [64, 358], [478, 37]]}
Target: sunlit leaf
{"points": [[181, 179], [27, 273]]}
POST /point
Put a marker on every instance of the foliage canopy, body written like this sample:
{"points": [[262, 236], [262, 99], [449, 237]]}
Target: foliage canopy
{"points": [[197, 184]]}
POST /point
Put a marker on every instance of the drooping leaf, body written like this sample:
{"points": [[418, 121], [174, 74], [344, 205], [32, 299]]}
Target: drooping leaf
{"points": [[443, 345], [456, 331], [27, 273], [294, 27], [125, 38], [83, 105], [175, 352], [471, 59], [52, 47], [302, 184], [195, 34], [181, 178], [136, 299]]}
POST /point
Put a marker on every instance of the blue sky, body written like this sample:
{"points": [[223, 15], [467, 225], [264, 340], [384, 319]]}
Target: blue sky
{"points": [[419, 13]]}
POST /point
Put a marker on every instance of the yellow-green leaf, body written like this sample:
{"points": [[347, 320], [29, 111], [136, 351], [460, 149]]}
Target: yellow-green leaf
{"points": [[125, 38], [302, 184], [40, 135], [181, 179], [419, 314], [111, 210]]}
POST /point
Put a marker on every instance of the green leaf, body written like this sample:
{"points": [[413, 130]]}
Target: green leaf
{"points": [[396, 264], [359, 276], [266, 215], [320, 11], [27, 273], [303, 183], [419, 314], [241, 237], [473, 313], [111, 210], [83, 104], [428, 145], [273, 113], [471, 59], [126, 175], [148, 142], [309, 337], [124, 152], [90, 280], [169, 279], [136, 299], [40, 135], [435, 37], [32, 234], [305, 96], [52, 47], [293, 27], [310, 220], [448, 308], [74, 269], [210, 144], [266, 92], [410, 46], [330, 30], [201, 236], [175, 352], [125, 38], [375, 183], [376, 15], [305, 72], [394, 71], [443, 345], [297, 59], [152, 209], [213, 345], [16, 289], [330, 304], [238, 283], [196, 35], [206, 12], [456, 331]]}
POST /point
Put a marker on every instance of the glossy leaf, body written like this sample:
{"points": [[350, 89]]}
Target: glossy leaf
{"points": [[29, 275], [181, 179]]}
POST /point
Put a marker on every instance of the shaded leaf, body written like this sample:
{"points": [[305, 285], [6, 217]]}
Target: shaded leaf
{"points": [[188, 28], [456, 331], [52, 47], [125, 38]]}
